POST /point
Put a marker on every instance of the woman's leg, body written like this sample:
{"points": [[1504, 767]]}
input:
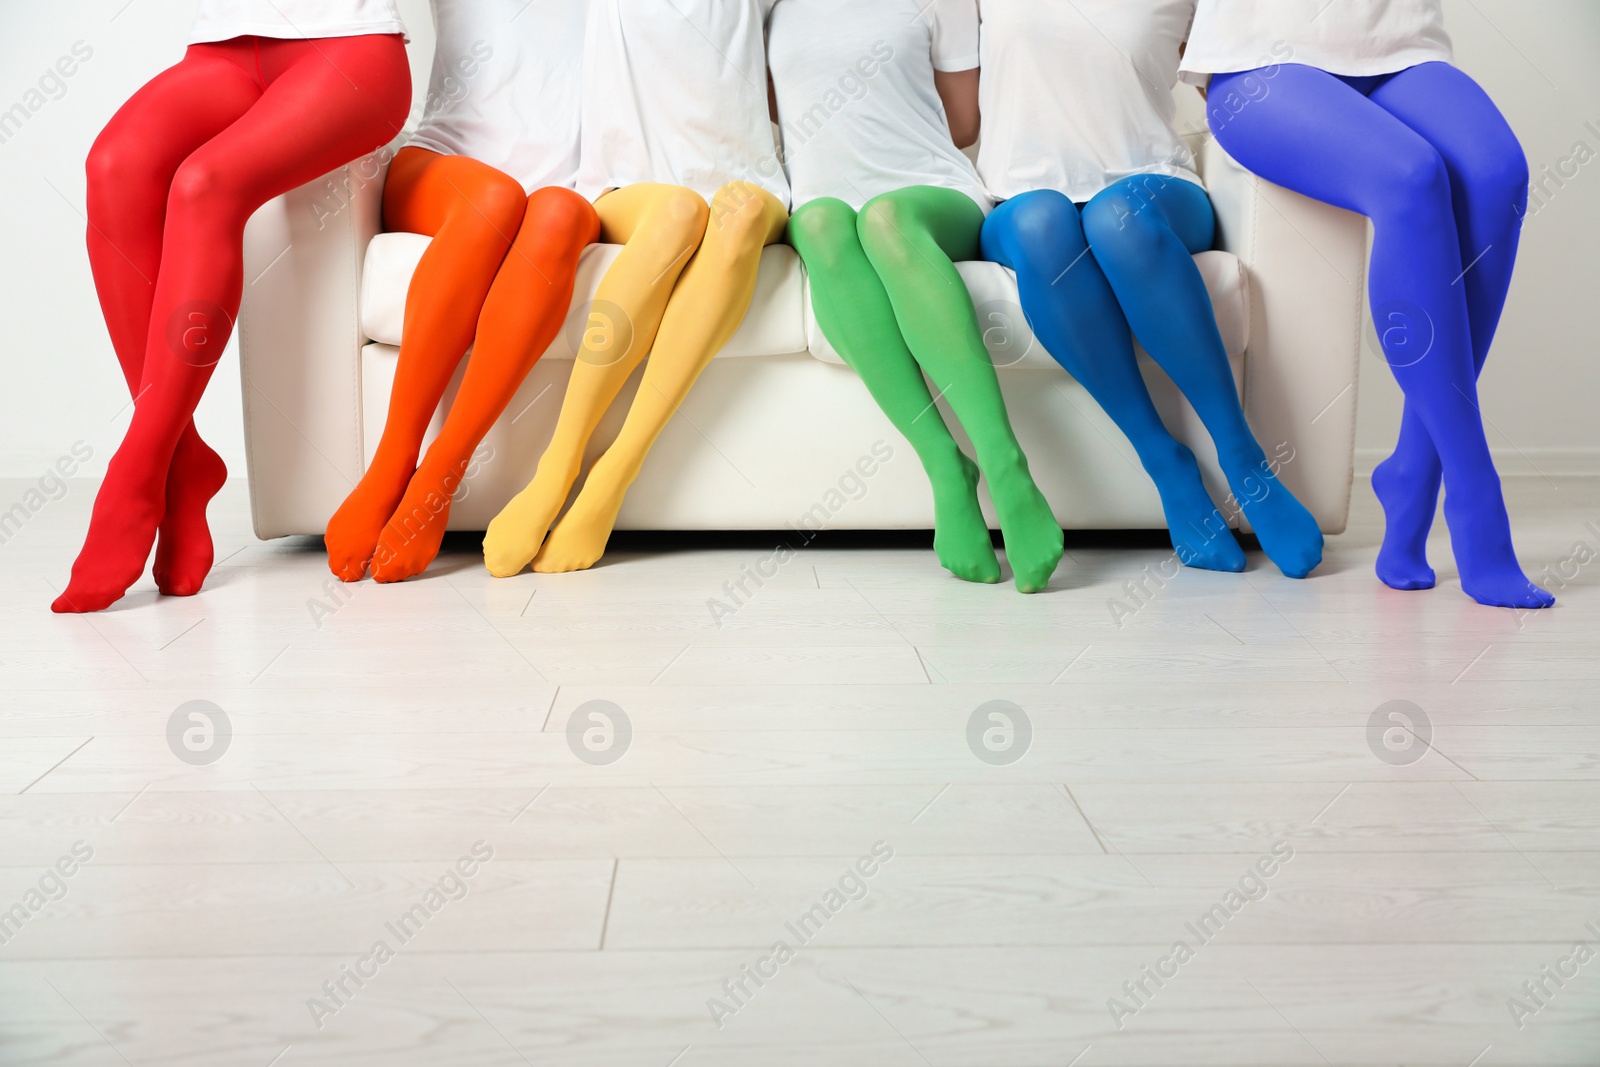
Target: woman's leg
{"points": [[525, 308], [1072, 310], [327, 102], [854, 311], [912, 236], [472, 211], [1489, 190], [1319, 136], [704, 312], [660, 226], [129, 170], [1144, 233]]}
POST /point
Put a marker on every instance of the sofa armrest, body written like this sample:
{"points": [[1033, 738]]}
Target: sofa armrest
{"points": [[300, 345], [1307, 266]]}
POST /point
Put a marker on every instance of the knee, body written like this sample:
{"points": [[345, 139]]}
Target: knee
{"points": [[115, 161], [678, 218], [823, 231], [880, 216], [1035, 229], [562, 213], [1503, 173], [497, 200], [739, 213], [884, 226], [1124, 225], [1416, 181], [204, 186]]}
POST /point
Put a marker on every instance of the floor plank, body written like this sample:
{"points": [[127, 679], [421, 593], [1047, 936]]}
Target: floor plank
{"points": [[1217, 765]]}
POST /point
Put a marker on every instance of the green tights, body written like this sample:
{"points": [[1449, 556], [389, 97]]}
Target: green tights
{"points": [[887, 295]]}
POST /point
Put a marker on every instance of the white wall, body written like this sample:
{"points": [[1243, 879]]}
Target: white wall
{"points": [[1540, 59]]}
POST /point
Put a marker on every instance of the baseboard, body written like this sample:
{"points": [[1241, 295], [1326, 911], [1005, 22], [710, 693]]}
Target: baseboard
{"points": [[1514, 462]]}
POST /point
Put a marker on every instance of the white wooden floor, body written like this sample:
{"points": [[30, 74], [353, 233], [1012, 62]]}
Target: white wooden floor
{"points": [[379, 740]]}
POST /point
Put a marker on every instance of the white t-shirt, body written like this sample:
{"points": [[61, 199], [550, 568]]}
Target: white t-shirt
{"points": [[675, 91], [1077, 94], [857, 106], [505, 88], [293, 20], [1355, 38]]}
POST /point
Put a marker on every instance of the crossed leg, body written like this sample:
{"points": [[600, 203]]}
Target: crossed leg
{"points": [[1489, 191], [526, 307], [703, 314], [1318, 135], [913, 237], [854, 310], [1072, 309], [324, 103], [472, 212], [130, 171], [660, 228], [1144, 233]]}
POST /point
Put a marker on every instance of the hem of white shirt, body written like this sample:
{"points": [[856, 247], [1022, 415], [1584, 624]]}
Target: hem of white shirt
{"points": [[1392, 64], [593, 192], [440, 149], [1079, 196], [965, 63], [227, 32], [984, 199]]}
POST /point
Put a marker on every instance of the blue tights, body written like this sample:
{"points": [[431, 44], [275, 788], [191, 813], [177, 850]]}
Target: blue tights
{"points": [[1428, 158], [1090, 281]]}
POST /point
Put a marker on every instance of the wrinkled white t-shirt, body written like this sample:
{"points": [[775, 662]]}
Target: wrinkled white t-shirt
{"points": [[1077, 94], [1355, 38], [857, 104], [675, 91], [506, 84], [293, 20]]}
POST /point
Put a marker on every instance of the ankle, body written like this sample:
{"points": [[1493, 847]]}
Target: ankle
{"points": [[1167, 460], [943, 462], [1003, 460]]}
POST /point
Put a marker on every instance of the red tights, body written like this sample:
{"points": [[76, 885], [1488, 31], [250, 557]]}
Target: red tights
{"points": [[172, 180]]}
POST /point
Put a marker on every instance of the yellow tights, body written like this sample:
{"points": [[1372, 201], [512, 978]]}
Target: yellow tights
{"points": [[677, 292]]}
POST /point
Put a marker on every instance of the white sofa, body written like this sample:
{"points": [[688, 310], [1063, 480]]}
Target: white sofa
{"points": [[776, 421]]}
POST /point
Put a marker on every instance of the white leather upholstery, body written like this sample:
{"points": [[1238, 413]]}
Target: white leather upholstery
{"points": [[1011, 342], [773, 327], [761, 441]]}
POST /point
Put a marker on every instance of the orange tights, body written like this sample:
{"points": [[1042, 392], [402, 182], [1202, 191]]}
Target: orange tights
{"points": [[498, 277]]}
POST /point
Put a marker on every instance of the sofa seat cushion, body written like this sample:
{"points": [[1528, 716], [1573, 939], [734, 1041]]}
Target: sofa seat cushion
{"points": [[1012, 344], [775, 325]]}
